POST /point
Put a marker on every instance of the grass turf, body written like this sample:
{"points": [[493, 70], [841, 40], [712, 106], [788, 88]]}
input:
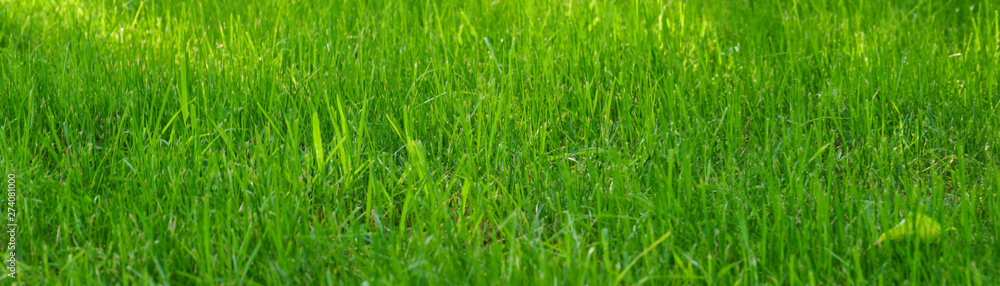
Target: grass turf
{"points": [[477, 142]]}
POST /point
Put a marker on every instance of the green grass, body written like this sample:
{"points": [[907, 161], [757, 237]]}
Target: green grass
{"points": [[500, 142]]}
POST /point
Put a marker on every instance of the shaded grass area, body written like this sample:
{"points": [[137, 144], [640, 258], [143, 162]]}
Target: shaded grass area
{"points": [[271, 142]]}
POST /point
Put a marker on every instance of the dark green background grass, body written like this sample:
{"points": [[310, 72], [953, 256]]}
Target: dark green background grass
{"points": [[503, 142]]}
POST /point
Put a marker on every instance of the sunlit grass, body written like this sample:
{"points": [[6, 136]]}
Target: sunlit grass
{"points": [[501, 142]]}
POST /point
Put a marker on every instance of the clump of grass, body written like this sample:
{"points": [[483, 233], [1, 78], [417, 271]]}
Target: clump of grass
{"points": [[509, 142]]}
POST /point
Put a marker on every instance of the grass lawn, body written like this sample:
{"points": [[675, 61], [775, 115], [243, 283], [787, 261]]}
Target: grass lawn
{"points": [[507, 142]]}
